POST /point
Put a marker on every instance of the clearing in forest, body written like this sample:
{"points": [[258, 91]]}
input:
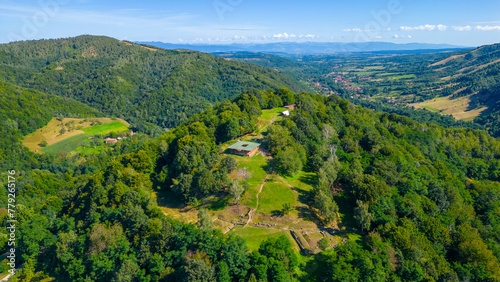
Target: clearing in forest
{"points": [[458, 107], [69, 133], [260, 212]]}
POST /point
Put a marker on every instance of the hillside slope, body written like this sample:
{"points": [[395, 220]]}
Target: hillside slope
{"points": [[140, 83], [468, 81], [421, 190], [413, 201], [22, 111]]}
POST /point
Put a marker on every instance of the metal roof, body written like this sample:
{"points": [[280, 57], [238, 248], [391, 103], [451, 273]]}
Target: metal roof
{"points": [[244, 146]]}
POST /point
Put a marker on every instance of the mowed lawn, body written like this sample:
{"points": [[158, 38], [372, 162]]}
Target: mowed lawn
{"points": [[272, 113], [274, 195], [268, 117], [255, 236], [302, 180], [67, 145], [256, 166]]}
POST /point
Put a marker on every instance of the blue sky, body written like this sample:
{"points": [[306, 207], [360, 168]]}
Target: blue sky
{"points": [[459, 22]]}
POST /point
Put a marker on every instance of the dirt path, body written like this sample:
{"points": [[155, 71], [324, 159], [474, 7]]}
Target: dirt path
{"points": [[252, 211]]}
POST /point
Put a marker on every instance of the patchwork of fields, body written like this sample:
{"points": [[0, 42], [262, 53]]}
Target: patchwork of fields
{"points": [[70, 134]]}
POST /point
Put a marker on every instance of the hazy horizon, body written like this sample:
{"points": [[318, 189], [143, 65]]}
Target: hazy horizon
{"points": [[462, 23]]}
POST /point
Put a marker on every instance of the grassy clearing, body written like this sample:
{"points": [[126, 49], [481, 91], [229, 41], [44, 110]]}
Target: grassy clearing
{"points": [[66, 145], [442, 62], [303, 180], [255, 236], [274, 195], [257, 166], [387, 74], [431, 109], [115, 126], [469, 118], [402, 77], [268, 117], [88, 150], [272, 113], [171, 205], [458, 108], [51, 132]]}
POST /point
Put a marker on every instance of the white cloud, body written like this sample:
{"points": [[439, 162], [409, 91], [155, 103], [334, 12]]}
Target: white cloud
{"points": [[401, 36], [440, 27], [462, 28], [487, 27], [426, 27], [357, 30], [284, 35]]}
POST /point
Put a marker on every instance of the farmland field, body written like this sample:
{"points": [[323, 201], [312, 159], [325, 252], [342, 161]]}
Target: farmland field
{"points": [[66, 145], [69, 133], [115, 126], [458, 107]]}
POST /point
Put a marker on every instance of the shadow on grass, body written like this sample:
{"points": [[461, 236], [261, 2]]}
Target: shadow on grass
{"points": [[219, 204], [346, 210], [308, 179], [277, 213], [304, 195], [269, 167], [307, 214], [169, 199]]}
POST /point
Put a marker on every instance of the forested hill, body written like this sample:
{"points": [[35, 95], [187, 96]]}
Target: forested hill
{"points": [[474, 74], [422, 199], [140, 83], [23, 111]]}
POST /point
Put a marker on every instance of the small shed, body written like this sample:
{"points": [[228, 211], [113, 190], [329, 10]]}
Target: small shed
{"points": [[285, 113], [244, 148], [111, 140]]}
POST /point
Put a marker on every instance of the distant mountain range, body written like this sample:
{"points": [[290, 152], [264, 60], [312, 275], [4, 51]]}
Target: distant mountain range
{"points": [[306, 47]]}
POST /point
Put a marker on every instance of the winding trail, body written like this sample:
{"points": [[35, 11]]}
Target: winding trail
{"points": [[252, 211]]}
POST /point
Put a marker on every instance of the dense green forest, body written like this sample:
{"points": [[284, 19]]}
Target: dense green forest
{"points": [[420, 192], [424, 197], [22, 111], [142, 84]]}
